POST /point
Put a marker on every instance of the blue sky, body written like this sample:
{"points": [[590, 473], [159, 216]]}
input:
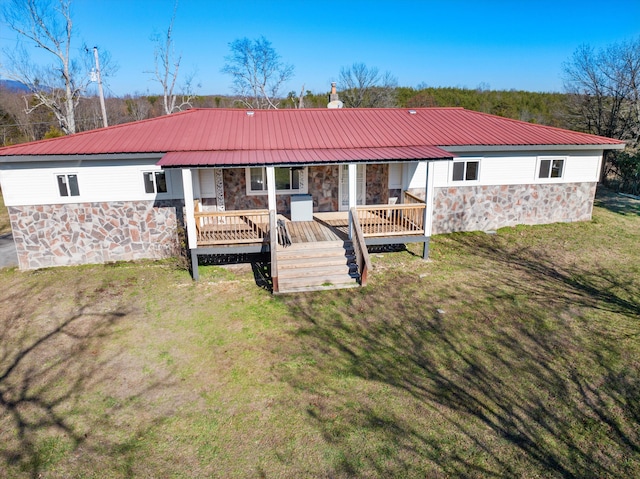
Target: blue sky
{"points": [[515, 44]]}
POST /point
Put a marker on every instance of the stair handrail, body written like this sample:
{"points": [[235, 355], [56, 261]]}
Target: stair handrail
{"points": [[273, 247], [360, 248]]}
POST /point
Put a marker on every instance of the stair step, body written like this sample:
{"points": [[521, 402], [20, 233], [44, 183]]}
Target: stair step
{"points": [[322, 287], [314, 253], [318, 244], [310, 262], [318, 271], [316, 266], [326, 281]]}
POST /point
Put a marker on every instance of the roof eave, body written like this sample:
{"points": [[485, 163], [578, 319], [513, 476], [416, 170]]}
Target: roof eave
{"points": [[306, 164], [83, 157], [563, 147]]}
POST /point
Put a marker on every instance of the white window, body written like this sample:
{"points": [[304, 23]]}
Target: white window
{"points": [[551, 168], [466, 170], [155, 182], [288, 180], [68, 185]]}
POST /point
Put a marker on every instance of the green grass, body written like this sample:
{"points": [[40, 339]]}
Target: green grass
{"points": [[507, 355]]}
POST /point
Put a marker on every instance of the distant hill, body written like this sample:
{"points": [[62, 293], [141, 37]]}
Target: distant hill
{"points": [[13, 85]]}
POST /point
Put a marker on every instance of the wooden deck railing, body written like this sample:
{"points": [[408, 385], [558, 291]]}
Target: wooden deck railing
{"points": [[391, 220], [231, 227], [410, 199], [360, 248]]}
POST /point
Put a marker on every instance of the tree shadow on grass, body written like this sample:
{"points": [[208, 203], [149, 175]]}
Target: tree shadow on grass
{"points": [[51, 359], [516, 377], [616, 202]]}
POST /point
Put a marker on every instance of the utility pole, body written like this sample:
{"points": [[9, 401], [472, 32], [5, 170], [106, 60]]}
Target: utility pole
{"points": [[104, 109]]}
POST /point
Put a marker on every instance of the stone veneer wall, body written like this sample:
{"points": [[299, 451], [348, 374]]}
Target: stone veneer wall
{"points": [[71, 234], [236, 197], [485, 208], [323, 187], [377, 184]]}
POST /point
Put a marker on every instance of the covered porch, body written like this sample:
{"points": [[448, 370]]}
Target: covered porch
{"points": [[214, 231]]}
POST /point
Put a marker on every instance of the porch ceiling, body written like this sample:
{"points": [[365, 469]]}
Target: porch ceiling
{"points": [[301, 156]]}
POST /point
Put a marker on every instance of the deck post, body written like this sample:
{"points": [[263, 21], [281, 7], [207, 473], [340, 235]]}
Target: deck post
{"points": [[192, 239], [428, 210], [195, 274], [352, 174]]}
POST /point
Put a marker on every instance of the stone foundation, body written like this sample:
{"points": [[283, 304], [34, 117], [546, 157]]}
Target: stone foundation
{"points": [[72, 234], [486, 208]]}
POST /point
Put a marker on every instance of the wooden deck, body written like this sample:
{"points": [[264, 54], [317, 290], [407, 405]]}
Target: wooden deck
{"points": [[324, 227]]}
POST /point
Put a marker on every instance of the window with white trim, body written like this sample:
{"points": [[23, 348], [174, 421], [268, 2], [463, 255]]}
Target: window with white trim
{"points": [[155, 182], [288, 180], [551, 168], [466, 170], [68, 184]]}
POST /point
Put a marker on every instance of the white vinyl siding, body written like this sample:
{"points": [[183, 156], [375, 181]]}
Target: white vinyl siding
{"points": [[37, 185], [513, 169]]}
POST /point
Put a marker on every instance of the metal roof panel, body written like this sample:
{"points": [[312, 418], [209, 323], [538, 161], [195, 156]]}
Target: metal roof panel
{"points": [[307, 129]]}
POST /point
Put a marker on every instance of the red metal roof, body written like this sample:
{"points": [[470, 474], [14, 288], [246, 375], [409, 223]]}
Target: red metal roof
{"points": [[233, 136]]}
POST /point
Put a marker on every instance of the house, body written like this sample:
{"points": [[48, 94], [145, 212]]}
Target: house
{"points": [[332, 180]]}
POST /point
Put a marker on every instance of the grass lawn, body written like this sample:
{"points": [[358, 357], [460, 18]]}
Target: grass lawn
{"points": [[5, 225], [507, 355]]}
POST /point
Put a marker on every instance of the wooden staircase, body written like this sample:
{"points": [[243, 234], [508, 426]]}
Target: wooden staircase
{"points": [[316, 266]]}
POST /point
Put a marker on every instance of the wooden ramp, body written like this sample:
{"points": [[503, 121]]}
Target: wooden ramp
{"points": [[315, 266]]}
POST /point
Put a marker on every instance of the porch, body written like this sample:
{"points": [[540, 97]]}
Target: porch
{"points": [[311, 254]]}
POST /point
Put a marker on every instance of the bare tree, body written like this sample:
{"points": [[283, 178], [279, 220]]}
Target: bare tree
{"points": [[257, 72], [167, 67], [48, 25], [604, 89], [364, 87]]}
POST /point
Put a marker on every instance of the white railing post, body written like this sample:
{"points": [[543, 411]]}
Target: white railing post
{"points": [[271, 188], [187, 188], [352, 173], [428, 210]]}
